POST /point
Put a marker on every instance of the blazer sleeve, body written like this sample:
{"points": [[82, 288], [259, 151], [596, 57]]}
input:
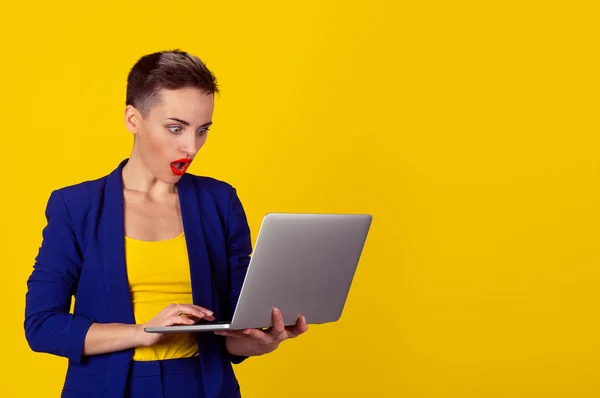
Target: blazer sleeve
{"points": [[49, 327], [239, 248]]}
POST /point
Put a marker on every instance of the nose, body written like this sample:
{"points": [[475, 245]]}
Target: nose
{"points": [[189, 145]]}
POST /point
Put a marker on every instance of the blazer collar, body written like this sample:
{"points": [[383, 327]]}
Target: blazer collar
{"points": [[114, 235]]}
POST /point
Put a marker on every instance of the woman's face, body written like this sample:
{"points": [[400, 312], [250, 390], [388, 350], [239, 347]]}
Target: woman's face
{"points": [[174, 130]]}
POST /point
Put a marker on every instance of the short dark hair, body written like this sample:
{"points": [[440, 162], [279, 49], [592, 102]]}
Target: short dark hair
{"points": [[169, 70]]}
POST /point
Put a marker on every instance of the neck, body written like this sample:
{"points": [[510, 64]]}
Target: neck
{"points": [[137, 177]]}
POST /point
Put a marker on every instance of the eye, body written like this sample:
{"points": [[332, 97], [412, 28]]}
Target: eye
{"points": [[174, 129], [203, 130]]}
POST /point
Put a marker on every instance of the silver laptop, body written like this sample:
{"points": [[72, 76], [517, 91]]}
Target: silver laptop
{"points": [[302, 264]]}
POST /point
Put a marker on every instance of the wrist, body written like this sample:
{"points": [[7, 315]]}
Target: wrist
{"points": [[140, 337], [242, 347]]}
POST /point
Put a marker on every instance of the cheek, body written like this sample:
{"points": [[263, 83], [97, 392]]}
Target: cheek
{"points": [[157, 142], [202, 140]]}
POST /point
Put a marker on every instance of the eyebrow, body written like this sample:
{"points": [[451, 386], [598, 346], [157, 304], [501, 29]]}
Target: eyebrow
{"points": [[188, 123]]}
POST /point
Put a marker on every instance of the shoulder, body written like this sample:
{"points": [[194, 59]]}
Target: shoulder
{"points": [[218, 189], [78, 194], [78, 200], [209, 183], [221, 194]]}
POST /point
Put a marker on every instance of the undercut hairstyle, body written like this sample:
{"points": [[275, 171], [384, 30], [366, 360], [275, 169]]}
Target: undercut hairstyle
{"points": [[169, 70]]}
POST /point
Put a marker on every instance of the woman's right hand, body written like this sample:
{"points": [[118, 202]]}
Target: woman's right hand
{"points": [[174, 314]]}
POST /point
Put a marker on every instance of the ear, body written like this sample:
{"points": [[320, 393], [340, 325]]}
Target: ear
{"points": [[133, 119]]}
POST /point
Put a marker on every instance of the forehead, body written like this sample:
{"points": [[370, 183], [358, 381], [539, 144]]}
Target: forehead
{"points": [[192, 103]]}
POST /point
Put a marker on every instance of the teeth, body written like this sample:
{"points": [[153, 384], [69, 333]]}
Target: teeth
{"points": [[180, 165]]}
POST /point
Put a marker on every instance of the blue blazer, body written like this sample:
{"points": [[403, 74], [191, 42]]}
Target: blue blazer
{"points": [[82, 254]]}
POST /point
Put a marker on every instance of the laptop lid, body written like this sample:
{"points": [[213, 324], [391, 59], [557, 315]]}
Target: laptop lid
{"points": [[302, 264]]}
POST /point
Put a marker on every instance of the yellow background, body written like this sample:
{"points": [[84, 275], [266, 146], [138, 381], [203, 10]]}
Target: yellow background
{"points": [[468, 129]]}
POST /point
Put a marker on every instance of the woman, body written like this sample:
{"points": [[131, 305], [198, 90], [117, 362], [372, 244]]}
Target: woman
{"points": [[148, 245]]}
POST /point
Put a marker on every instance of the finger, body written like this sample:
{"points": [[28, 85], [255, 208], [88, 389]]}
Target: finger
{"points": [[278, 325], [192, 317], [198, 308], [302, 324], [196, 319], [300, 327], [258, 336], [205, 310], [180, 320], [240, 334], [189, 310], [207, 318], [231, 333], [179, 309]]}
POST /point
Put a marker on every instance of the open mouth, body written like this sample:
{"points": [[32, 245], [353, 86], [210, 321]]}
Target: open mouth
{"points": [[179, 166]]}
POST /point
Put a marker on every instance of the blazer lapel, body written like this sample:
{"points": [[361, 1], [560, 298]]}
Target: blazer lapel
{"points": [[200, 270], [201, 276], [114, 236], [112, 229]]}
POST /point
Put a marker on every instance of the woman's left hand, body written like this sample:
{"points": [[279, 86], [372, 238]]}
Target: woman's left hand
{"points": [[251, 342]]}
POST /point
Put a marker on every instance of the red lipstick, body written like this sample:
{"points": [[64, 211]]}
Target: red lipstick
{"points": [[179, 166]]}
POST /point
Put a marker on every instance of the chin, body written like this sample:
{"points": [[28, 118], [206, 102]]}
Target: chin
{"points": [[173, 179]]}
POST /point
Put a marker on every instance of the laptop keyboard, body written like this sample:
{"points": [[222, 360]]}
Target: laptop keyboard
{"points": [[204, 322]]}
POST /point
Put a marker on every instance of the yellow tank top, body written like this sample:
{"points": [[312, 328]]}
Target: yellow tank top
{"points": [[159, 275]]}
